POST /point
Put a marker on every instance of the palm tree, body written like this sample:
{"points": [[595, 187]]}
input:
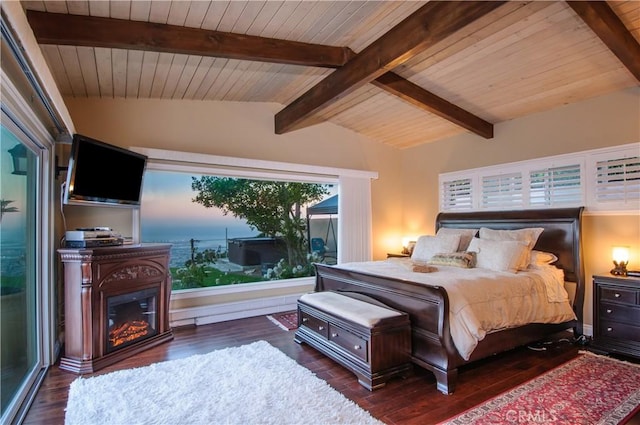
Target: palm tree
{"points": [[4, 208]]}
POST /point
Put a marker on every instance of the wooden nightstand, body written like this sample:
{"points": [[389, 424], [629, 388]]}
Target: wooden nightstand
{"points": [[616, 315], [397, 255]]}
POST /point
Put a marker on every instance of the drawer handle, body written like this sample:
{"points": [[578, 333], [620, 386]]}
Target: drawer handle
{"points": [[609, 329], [357, 347], [320, 328], [305, 319], [609, 310], [334, 335], [617, 295]]}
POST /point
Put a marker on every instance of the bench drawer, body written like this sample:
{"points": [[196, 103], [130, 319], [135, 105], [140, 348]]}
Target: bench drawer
{"points": [[316, 325], [350, 342]]}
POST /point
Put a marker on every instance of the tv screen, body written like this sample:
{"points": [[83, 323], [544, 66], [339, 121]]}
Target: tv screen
{"points": [[103, 174]]}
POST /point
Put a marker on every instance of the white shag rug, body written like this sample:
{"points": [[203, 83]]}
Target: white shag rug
{"points": [[251, 384]]}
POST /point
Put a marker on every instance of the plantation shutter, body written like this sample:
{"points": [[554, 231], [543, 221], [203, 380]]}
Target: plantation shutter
{"points": [[456, 195], [555, 186], [502, 191], [618, 180]]}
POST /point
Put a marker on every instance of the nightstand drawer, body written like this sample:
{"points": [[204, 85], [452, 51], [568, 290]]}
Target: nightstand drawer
{"points": [[619, 295], [350, 342], [623, 313], [316, 325], [619, 330]]}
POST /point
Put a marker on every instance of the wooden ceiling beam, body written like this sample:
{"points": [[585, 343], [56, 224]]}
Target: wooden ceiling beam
{"points": [[430, 24], [604, 22], [428, 101], [76, 30], [91, 31]]}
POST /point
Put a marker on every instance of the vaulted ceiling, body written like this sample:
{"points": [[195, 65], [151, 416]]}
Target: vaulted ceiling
{"points": [[400, 72]]}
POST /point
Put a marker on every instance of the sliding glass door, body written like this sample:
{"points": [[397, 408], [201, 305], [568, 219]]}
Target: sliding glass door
{"points": [[19, 351], [29, 324]]}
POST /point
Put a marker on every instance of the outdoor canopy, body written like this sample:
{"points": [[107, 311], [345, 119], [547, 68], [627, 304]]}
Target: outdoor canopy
{"points": [[328, 206]]}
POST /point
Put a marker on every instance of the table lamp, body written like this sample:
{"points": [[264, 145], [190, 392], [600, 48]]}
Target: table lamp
{"points": [[620, 260]]}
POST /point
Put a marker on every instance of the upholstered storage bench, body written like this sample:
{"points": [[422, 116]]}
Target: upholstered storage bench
{"points": [[365, 336]]}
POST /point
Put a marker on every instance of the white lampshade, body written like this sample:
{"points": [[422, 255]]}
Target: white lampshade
{"points": [[620, 254]]}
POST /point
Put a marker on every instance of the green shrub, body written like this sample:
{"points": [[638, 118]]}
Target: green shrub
{"points": [[284, 270]]}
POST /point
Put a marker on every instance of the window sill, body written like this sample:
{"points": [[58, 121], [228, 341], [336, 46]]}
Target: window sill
{"points": [[186, 294]]}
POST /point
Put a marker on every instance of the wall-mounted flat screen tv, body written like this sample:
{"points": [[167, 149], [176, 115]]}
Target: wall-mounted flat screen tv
{"points": [[103, 174]]}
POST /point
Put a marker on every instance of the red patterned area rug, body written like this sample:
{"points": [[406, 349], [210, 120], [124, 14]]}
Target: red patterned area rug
{"points": [[587, 390], [287, 321]]}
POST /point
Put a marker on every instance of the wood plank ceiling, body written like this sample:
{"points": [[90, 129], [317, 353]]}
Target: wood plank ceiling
{"points": [[403, 73]]}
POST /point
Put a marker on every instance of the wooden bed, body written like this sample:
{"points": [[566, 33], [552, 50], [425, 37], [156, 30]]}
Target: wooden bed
{"points": [[428, 306]]}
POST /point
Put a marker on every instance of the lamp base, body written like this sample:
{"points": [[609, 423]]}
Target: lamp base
{"points": [[620, 268]]}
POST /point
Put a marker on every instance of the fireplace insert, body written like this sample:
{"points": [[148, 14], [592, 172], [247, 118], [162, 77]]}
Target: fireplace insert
{"points": [[132, 317]]}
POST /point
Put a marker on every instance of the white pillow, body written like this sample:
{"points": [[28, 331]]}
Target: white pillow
{"points": [[503, 256], [465, 235], [541, 257], [528, 235], [427, 246]]}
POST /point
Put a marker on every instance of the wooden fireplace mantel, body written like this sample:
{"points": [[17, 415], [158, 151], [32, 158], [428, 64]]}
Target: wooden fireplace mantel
{"points": [[91, 276]]}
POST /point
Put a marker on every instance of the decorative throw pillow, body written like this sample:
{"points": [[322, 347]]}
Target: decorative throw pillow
{"points": [[528, 235], [465, 235], [466, 260], [427, 246], [502, 256]]}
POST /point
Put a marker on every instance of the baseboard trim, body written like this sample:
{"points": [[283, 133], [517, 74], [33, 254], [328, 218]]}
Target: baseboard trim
{"points": [[587, 330], [231, 311]]}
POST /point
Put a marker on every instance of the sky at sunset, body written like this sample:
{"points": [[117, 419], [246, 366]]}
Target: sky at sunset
{"points": [[168, 213]]}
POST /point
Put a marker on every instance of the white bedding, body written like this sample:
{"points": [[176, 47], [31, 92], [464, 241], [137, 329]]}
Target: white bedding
{"points": [[482, 301]]}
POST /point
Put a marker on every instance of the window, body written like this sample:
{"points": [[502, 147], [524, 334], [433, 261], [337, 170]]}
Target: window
{"points": [[618, 180], [502, 191], [456, 195], [354, 206], [605, 179], [555, 186], [258, 238]]}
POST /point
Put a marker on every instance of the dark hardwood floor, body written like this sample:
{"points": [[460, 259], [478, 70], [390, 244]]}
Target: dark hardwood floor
{"points": [[413, 400]]}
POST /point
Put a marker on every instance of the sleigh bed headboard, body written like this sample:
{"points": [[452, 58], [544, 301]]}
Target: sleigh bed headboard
{"points": [[561, 236]]}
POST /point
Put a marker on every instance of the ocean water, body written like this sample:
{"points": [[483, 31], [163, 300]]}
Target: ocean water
{"points": [[204, 238], [181, 250]]}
